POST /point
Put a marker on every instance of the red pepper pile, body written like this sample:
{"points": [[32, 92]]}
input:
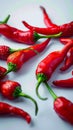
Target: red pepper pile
{"points": [[16, 58]]}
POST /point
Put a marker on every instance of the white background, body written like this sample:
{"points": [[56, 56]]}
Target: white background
{"points": [[60, 11]]}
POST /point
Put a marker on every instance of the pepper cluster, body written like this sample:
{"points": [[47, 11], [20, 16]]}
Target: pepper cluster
{"points": [[16, 58]]}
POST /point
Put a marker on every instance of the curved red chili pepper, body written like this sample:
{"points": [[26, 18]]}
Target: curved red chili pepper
{"points": [[64, 83], [26, 37], [49, 64], [11, 90], [5, 20], [17, 59], [66, 29], [47, 19], [7, 109], [62, 106]]}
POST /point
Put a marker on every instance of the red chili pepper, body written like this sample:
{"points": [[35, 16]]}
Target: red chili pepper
{"points": [[69, 56], [47, 19], [62, 106], [2, 71], [5, 51], [5, 20], [66, 29], [68, 60], [7, 109], [11, 90], [66, 40], [17, 59], [49, 64], [26, 37], [65, 83]]}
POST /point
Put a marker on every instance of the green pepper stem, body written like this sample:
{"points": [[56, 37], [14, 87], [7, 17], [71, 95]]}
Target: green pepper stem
{"points": [[33, 100], [51, 91], [11, 67], [41, 78], [37, 92], [5, 20], [15, 50], [29, 48], [38, 36]]}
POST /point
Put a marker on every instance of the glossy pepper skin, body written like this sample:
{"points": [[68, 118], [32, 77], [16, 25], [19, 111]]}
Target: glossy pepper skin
{"points": [[62, 106], [66, 29], [48, 22], [64, 83], [26, 37], [51, 61], [69, 56], [17, 59], [68, 60], [12, 90], [64, 109], [49, 64], [7, 109]]}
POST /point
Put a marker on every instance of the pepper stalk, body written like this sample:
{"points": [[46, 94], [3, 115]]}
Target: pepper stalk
{"points": [[38, 36], [5, 20], [43, 79]]}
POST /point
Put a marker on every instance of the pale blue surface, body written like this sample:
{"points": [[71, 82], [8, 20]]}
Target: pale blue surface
{"points": [[60, 11]]}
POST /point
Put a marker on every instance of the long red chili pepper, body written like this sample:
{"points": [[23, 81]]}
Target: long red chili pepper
{"points": [[11, 90], [66, 29], [47, 19], [62, 106], [17, 59], [5, 20], [48, 65], [26, 37], [69, 56], [5, 51], [64, 83], [7, 109]]}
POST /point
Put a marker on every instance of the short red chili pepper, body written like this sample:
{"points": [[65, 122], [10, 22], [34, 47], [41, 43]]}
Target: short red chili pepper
{"points": [[49, 64], [5, 51], [64, 83], [11, 90], [7, 109], [17, 59], [47, 19], [62, 106], [26, 37], [5, 20], [2, 71], [66, 29], [69, 57]]}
